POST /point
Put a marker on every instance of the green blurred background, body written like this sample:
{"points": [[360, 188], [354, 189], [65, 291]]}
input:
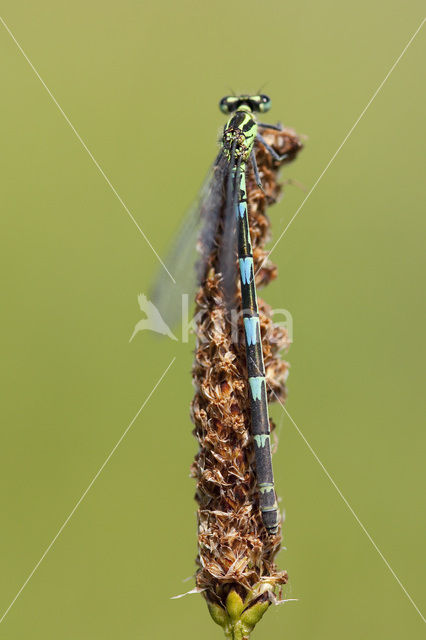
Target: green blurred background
{"points": [[140, 81]]}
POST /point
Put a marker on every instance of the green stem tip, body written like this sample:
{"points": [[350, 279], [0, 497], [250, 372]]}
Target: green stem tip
{"points": [[239, 617]]}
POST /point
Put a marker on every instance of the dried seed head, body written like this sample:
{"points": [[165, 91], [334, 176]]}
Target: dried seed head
{"points": [[235, 553]]}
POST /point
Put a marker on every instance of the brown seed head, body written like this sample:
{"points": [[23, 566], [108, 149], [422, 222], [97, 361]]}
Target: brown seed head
{"points": [[235, 553]]}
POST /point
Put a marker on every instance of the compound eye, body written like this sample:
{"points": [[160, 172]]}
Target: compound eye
{"points": [[265, 103], [224, 105]]}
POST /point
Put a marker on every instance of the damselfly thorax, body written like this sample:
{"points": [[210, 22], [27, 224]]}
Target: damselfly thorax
{"points": [[239, 134]]}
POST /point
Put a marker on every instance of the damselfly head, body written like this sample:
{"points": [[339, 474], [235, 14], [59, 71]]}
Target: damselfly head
{"points": [[260, 103]]}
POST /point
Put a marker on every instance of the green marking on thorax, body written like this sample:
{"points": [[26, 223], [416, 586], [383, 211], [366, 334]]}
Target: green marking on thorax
{"points": [[248, 135]]}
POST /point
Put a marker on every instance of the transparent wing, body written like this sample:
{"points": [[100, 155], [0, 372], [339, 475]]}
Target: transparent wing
{"points": [[228, 265], [188, 257]]}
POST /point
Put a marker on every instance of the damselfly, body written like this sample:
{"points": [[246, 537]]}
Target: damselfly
{"points": [[221, 225]]}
